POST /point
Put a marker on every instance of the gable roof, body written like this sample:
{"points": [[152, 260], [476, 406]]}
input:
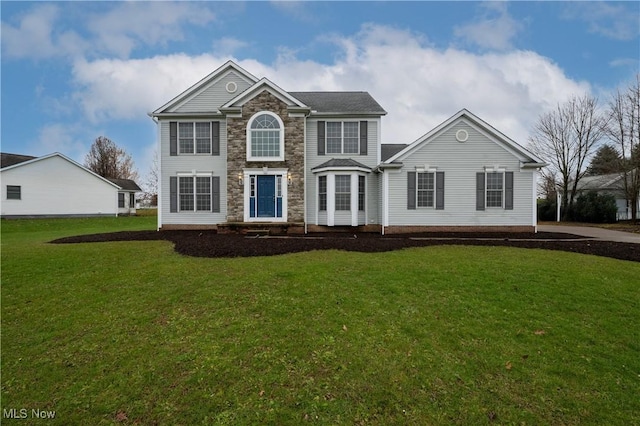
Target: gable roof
{"points": [[200, 85], [529, 159], [126, 184], [7, 159], [64, 157], [340, 102], [259, 87]]}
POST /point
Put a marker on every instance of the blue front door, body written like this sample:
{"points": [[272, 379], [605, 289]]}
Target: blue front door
{"points": [[266, 196]]}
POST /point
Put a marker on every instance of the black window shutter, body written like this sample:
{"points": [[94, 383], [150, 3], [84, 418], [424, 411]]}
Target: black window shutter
{"points": [[173, 138], [508, 191], [411, 190], [215, 194], [439, 190], [173, 194], [215, 138], [479, 191], [320, 137], [363, 137]]}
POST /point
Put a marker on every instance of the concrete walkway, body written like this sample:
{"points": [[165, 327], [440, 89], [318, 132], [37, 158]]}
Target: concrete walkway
{"points": [[592, 232]]}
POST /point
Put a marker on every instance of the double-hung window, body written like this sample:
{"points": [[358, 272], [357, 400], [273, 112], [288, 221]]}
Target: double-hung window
{"points": [[14, 192], [194, 193], [343, 137], [121, 200], [194, 137], [361, 192], [343, 192], [426, 188], [495, 189], [322, 193]]}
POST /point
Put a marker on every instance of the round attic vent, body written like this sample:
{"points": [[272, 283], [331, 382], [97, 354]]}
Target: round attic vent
{"points": [[462, 135], [231, 87]]}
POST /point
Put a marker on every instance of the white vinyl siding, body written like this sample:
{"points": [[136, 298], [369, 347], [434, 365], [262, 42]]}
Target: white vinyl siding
{"points": [[74, 191], [215, 95], [460, 162], [216, 165], [372, 199]]}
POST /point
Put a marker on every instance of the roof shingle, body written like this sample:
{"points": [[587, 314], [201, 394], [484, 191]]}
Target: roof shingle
{"points": [[340, 102]]}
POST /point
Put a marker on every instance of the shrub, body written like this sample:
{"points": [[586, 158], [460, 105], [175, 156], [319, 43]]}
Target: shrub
{"points": [[595, 208], [547, 210]]}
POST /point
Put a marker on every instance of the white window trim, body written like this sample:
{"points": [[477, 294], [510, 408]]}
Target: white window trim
{"points": [[247, 173], [194, 153], [248, 132], [427, 169], [326, 136], [494, 169], [193, 175], [331, 196]]}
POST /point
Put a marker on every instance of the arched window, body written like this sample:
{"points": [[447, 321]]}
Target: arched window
{"points": [[265, 137]]}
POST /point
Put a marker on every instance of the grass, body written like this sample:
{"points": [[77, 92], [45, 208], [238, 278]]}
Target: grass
{"points": [[133, 333]]}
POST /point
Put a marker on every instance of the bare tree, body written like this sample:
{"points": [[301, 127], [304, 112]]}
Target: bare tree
{"points": [[566, 138], [108, 160], [624, 131], [151, 182]]}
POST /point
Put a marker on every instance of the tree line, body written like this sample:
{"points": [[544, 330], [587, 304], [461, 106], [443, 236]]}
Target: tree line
{"points": [[581, 137]]}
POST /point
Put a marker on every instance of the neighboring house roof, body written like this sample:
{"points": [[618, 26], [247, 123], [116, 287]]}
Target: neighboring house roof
{"points": [[341, 163], [340, 102], [389, 150], [64, 157], [611, 181], [126, 184], [7, 159], [528, 159]]}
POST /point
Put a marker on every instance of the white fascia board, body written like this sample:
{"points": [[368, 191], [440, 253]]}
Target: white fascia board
{"points": [[341, 169]]}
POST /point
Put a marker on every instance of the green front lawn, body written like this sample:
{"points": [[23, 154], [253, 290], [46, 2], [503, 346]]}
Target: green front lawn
{"points": [[133, 333]]}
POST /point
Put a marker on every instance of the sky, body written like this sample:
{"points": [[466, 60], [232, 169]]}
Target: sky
{"points": [[74, 71]]}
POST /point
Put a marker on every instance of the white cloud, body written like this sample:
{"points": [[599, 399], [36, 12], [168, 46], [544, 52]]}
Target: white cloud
{"points": [[71, 140], [418, 85], [119, 31], [130, 24], [228, 45], [619, 20], [494, 29], [34, 36]]}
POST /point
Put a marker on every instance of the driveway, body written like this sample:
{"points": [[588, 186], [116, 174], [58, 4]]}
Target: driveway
{"points": [[592, 232]]}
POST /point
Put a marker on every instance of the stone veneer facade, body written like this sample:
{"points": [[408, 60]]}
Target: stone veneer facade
{"points": [[293, 156]]}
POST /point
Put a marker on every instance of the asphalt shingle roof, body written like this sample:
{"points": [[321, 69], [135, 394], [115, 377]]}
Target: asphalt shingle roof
{"points": [[341, 162], [7, 159], [126, 184], [388, 150], [340, 102]]}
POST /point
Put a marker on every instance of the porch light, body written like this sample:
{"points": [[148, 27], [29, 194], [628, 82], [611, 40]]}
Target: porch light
{"points": [[289, 178], [240, 179]]}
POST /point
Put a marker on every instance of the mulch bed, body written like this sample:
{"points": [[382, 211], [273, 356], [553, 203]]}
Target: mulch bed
{"points": [[211, 244]]}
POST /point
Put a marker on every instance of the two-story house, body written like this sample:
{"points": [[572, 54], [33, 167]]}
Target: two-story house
{"points": [[237, 152]]}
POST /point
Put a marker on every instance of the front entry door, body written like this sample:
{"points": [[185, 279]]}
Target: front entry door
{"points": [[266, 196]]}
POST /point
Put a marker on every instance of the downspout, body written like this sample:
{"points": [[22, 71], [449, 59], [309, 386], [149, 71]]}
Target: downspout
{"points": [[304, 175]]}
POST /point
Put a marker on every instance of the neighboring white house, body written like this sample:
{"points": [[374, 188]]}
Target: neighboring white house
{"points": [[237, 151], [54, 185], [126, 196], [611, 184]]}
